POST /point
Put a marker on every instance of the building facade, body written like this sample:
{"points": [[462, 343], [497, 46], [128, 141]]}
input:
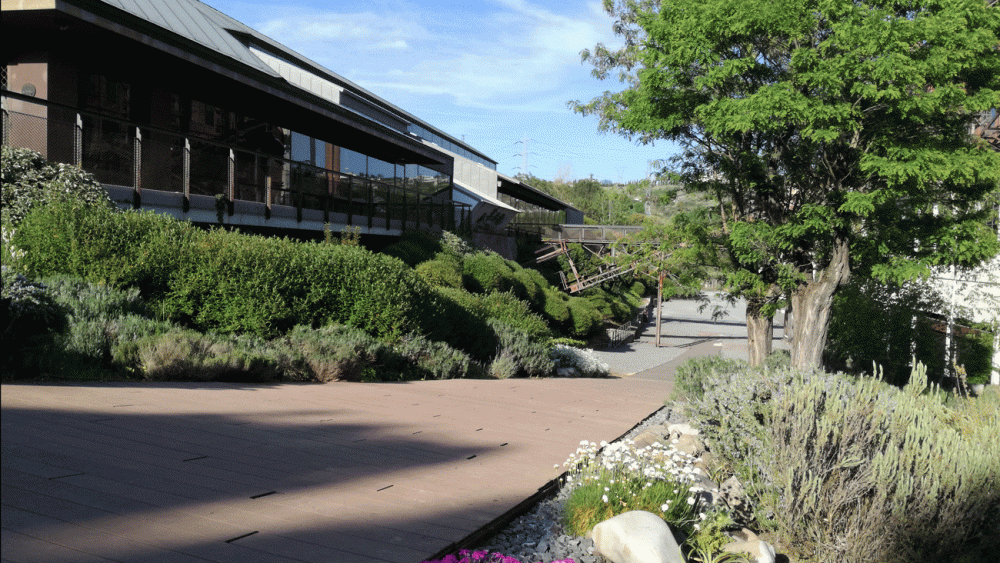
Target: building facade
{"points": [[174, 106]]}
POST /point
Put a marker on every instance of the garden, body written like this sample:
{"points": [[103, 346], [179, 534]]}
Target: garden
{"points": [[93, 292], [833, 467]]}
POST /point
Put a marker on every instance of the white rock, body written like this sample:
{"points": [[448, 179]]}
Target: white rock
{"points": [[759, 550], [678, 430], [636, 537]]}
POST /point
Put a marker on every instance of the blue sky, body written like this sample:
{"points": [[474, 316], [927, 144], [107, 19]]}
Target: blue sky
{"points": [[496, 72]]}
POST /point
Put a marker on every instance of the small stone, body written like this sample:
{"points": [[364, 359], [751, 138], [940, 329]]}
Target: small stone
{"points": [[636, 537]]}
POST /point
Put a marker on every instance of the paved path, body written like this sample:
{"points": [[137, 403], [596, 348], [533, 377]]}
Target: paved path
{"points": [[320, 473]]}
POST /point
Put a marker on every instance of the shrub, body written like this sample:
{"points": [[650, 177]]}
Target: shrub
{"points": [[620, 477], [31, 322], [519, 354], [506, 308], [855, 469], [556, 308], [28, 180], [331, 353], [872, 464], [182, 354], [690, 376], [427, 359], [444, 270], [266, 286], [486, 272], [130, 249], [414, 247], [584, 318]]}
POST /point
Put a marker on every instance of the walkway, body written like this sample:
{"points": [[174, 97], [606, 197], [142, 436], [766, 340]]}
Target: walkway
{"points": [[279, 473]]}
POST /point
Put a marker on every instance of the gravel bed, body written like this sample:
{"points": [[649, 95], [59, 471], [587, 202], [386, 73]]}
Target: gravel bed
{"points": [[537, 536]]}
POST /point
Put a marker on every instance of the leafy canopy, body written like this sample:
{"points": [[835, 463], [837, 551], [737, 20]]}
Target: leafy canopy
{"points": [[819, 124]]}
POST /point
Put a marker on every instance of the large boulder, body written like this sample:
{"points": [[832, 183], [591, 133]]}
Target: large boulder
{"points": [[636, 537]]}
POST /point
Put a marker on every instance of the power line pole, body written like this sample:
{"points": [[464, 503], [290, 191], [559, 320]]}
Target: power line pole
{"points": [[524, 154]]}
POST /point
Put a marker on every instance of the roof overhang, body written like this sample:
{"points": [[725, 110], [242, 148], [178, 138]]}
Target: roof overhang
{"points": [[529, 194]]}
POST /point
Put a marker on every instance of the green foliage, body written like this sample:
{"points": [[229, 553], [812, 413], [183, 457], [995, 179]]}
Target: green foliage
{"points": [[101, 319], [507, 309], [28, 180], [586, 507], [444, 270], [690, 376], [130, 249], [584, 318], [815, 122], [31, 322], [486, 272], [848, 469], [883, 324], [187, 355], [414, 247], [518, 353], [237, 283]]}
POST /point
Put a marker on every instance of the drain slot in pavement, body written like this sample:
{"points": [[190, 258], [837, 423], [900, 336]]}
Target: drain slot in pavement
{"points": [[195, 458], [383, 488], [241, 537], [471, 456], [263, 495], [65, 476], [504, 444]]}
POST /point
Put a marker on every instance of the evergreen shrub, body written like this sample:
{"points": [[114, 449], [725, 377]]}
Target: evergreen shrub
{"points": [[519, 354], [28, 180], [129, 249], [584, 317], [486, 272], [31, 322], [852, 469], [445, 270], [187, 355]]}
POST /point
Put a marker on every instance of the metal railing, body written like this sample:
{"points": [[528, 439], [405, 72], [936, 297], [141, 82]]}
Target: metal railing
{"points": [[142, 157]]}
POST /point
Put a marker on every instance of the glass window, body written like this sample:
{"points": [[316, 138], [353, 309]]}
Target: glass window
{"points": [[381, 170], [352, 162], [301, 148], [320, 153]]}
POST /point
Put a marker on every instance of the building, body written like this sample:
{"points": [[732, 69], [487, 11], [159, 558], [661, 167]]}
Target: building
{"points": [[177, 107]]}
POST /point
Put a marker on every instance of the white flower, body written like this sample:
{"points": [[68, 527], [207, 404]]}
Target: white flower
{"points": [[604, 498], [665, 507], [691, 501]]}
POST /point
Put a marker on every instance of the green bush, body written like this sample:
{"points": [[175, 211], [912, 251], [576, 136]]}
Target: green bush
{"points": [[32, 321], [519, 354], [850, 469], [445, 270], [426, 359], [556, 308], [414, 247], [584, 318], [690, 376], [873, 323], [331, 353], [507, 309], [122, 250], [187, 355], [28, 180], [486, 272], [266, 286]]}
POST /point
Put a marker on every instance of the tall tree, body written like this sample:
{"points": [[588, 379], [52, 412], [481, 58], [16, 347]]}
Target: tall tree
{"points": [[829, 130]]}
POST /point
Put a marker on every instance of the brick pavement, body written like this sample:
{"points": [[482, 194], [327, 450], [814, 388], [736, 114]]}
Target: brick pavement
{"points": [[339, 472]]}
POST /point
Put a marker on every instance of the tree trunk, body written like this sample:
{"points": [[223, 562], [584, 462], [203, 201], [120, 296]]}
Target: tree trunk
{"points": [[811, 303], [760, 332]]}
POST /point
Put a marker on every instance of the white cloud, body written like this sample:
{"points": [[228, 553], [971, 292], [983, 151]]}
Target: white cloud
{"points": [[511, 54]]}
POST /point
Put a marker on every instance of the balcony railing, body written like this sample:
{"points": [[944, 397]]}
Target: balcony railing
{"points": [[152, 161]]}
